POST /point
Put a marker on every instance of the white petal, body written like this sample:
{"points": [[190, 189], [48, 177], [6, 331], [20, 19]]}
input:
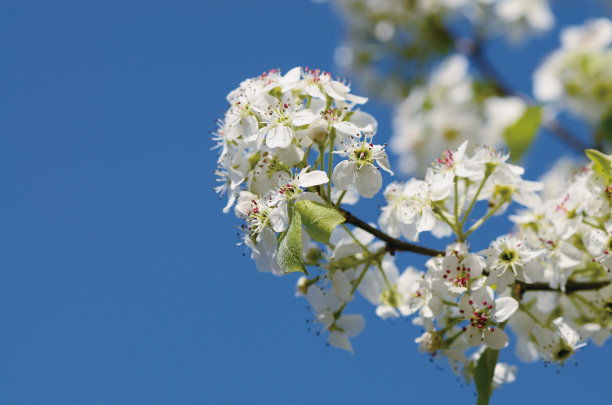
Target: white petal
{"points": [[344, 175], [427, 221], [279, 219], [504, 308], [484, 294], [351, 324], [498, 339], [473, 335], [595, 241], [279, 137], [303, 117], [313, 178], [386, 312], [369, 181], [340, 341], [347, 128], [341, 286]]}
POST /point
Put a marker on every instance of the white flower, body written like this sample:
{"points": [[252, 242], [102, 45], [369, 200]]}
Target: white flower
{"points": [[347, 326], [557, 345], [325, 303], [318, 84], [288, 189], [263, 251], [509, 258], [460, 270], [280, 121], [260, 213], [520, 15], [359, 169], [576, 76], [484, 314]]}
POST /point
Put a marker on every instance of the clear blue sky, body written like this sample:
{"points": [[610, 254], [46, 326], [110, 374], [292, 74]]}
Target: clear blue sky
{"points": [[119, 279]]}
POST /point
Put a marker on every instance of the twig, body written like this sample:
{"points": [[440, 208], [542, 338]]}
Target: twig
{"points": [[570, 287], [393, 244]]}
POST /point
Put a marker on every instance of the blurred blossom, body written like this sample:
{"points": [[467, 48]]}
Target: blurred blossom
{"points": [[446, 111], [391, 41], [577, 76]]}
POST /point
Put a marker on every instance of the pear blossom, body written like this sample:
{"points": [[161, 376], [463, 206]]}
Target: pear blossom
{"points": [[359, 169], [318, 84], [280, 121], [485, 313], [509, 258], [324, 304], [559, 344], [460, 270]]}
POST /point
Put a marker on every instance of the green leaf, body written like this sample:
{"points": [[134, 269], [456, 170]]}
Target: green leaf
{"points": [[289, 254], [318, 219], [601, 163], [520, 135], [483, 378]]}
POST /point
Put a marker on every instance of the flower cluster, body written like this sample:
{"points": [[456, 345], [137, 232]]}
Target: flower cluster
{"points": [[549, 282], [577, 76], [267, 140]]}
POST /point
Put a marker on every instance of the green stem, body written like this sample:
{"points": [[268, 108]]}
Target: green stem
{"points": [[340, 198], [596, 226], [458, 228], [469, 210], [365, 249], [442, 216], [452, 304], [384, 275], [330, 161], [529, 314], [483, 219]]}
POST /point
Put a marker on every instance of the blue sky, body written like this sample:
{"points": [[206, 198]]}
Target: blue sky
{"points": [[120, 281]]}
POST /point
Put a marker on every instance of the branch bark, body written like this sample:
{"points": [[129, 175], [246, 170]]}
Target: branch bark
{"points": [[393, 244], [570, 287]]}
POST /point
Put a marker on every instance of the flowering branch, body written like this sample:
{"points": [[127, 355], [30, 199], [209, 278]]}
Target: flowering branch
{"points": [[393, 244], [570, 287]]}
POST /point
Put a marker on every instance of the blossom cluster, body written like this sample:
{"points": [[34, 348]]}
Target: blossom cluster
{"points": [[549, 282], [573, 228], [577, 76], [274, 126]]}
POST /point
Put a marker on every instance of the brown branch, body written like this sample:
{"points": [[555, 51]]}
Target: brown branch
{"points": [[393, 244], [570, 286]]}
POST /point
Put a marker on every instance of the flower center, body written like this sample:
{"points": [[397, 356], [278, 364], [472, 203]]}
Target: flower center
{"points": [[507, 256], [362, 155], [391, 297], [462, 276]]}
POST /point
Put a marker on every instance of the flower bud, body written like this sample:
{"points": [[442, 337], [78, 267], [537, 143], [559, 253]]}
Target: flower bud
{"points": [[429, 342]]}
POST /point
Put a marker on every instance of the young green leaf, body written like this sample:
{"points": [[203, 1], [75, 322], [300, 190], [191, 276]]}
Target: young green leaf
{"points": [[601, 163], [483, 378], [318, 219], [520, 135], [289, 254]]}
